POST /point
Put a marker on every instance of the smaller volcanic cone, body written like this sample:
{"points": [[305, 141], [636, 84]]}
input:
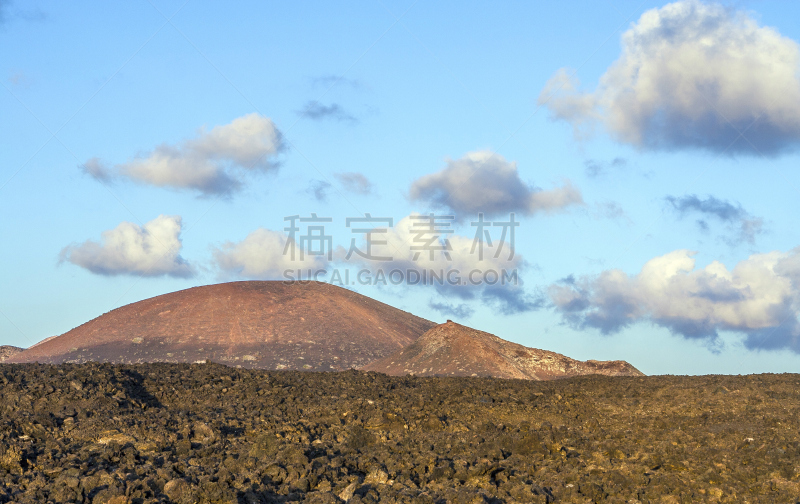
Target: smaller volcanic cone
{"points": [[455, 350]]}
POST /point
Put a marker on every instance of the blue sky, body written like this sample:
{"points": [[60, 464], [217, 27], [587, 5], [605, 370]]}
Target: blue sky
{"points": [[629, 139]]}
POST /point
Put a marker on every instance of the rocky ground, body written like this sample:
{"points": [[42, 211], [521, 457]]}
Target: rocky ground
{"points": [[207, 433]]}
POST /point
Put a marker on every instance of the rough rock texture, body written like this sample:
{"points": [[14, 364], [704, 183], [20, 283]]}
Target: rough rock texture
{"points": [[180, 433], [7, 351], [268, 325], [455, 350]]}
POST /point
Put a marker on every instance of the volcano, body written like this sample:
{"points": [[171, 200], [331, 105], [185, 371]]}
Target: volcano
{"points": [[267, 325], [455, 350]]}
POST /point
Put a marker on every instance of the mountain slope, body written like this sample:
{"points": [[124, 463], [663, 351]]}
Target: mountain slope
{"points": [[267, 325], [7, 351], [455, 350]]}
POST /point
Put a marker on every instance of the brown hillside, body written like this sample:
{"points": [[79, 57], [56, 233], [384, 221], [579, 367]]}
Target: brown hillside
{"points": [[455, 350], [7, 351], [267, 325]]}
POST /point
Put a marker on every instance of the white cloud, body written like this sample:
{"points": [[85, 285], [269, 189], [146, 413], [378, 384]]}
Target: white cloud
{"points": [[485, 182], [261, 256], [408, 243], [247, 141], [758, 297], [411, 246], [398, 255], [213, 163], [692, 75], [149, 250]]}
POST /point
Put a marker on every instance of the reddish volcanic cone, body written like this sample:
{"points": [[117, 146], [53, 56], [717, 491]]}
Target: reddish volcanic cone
{"points": [[455, 350], [269, 325]]}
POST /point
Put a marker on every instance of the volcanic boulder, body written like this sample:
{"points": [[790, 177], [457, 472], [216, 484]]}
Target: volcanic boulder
{"points": [[455, 350], [267, 325]]}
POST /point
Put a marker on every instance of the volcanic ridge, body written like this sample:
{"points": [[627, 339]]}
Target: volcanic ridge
{"points": [[455, 350]]}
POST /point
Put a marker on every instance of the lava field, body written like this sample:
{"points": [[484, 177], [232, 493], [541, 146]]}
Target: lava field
{"points": [[180, 433]]}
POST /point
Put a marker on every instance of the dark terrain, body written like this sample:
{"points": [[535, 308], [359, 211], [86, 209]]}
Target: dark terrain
{"points": [[185, 433]]}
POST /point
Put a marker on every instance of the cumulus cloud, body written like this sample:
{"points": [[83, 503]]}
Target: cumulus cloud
{"points": [[413, 245], [427, 242], [150, 250], [213, 163], [742, 227], [692, 75], [411, 253], [265, 255], [759, 298], [354, 182], [316, 111], [485, 182]]}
